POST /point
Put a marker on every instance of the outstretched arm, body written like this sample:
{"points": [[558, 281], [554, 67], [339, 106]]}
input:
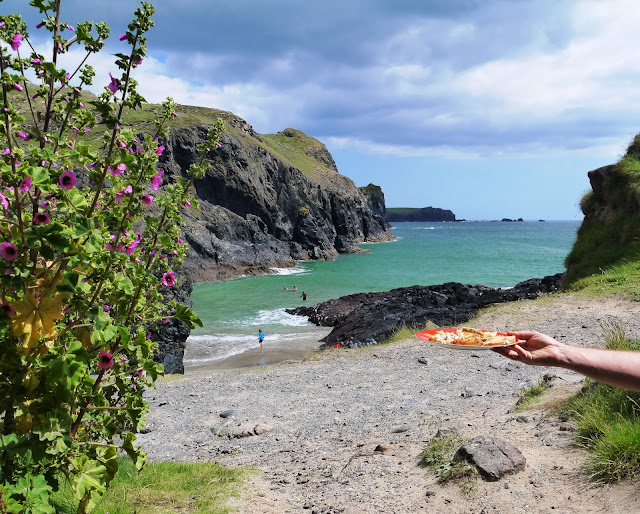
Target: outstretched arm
{"points": [[612, 367]]}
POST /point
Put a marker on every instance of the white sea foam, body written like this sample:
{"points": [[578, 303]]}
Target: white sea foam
{"points": [[274, 317], [289, 271], [204, 349]]}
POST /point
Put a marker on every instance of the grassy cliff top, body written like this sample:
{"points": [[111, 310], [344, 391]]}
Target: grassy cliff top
{"points": [[292, 147]]}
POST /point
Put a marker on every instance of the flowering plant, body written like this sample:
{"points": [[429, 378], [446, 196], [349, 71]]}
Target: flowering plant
{"points": [[89, 240]]}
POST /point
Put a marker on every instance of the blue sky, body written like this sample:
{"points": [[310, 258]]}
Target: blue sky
{"points": [[489, 108]]}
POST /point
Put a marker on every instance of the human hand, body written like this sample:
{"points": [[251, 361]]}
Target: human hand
{"points": [[535, 348]]}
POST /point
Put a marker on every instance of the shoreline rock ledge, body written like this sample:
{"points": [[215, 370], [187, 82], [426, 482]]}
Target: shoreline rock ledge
{"points": [[366, 319]]}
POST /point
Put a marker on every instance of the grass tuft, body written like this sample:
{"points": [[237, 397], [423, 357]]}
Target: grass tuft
{"points": [[439, 456], [531, 395], [608, 420]]}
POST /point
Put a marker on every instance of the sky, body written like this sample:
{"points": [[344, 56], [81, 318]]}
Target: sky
{"points": [[489, 108]]}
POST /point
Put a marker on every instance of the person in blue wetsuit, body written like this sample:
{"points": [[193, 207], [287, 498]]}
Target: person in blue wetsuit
{"points": [[260, 337]]}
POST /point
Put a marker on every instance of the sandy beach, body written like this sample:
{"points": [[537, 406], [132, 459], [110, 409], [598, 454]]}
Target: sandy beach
{"points": [[343, 430]]}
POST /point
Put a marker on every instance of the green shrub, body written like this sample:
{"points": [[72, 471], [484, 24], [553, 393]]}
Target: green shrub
{"points": [[89, 240]]}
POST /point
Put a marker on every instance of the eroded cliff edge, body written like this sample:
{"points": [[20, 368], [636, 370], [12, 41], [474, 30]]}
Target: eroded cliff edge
{"points": [[267, 201]]}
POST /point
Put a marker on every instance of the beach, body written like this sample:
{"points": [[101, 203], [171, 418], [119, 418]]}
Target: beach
{"points": [[343, 430]]}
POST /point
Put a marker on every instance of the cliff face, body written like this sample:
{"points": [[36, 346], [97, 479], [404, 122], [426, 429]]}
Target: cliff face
{"points": [[258, 210], [610, 231]]}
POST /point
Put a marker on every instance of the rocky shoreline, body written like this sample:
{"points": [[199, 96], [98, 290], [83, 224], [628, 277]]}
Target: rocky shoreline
{"points": [[343, 430], [365, 319]]}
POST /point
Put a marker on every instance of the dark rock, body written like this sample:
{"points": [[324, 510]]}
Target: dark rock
{"points": [[493, 457], [228, 413], [171, 336], [365, 318]]}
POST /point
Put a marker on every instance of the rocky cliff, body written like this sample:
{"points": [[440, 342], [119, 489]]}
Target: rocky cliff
{"points": [[610, 231], [267, 201]]}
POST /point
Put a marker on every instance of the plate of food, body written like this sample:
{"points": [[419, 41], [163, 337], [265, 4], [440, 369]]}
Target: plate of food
{"points": [[467, 338]]}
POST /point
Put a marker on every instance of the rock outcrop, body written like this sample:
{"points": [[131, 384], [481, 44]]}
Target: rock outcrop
{"points": [[258, 210], [610, 231], [370, 318]]}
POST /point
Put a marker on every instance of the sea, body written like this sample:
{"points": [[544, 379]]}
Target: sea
{"points": [[495, 254]]}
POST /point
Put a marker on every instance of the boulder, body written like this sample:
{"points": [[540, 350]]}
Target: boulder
{"points": [[493, 457]]}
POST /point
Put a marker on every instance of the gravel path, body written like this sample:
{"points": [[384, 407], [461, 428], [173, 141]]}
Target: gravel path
{"points": [[343, 430]]}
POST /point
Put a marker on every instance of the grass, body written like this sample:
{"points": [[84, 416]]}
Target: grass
{"points": [[165, 487], [622, 279], [532, 395], [439, 456], [608, 420]]}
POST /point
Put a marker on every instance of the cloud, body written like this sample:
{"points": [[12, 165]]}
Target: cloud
{"points": [[404, 78]]}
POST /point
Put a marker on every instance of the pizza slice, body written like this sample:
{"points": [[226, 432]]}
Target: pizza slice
{"points": [[467, 336]]}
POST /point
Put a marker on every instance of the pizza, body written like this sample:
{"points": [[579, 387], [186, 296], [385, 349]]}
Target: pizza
{"points": [[470, 337]]}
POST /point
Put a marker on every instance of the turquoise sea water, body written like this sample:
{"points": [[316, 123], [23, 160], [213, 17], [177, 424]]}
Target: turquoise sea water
{"points": [[496, 254]]}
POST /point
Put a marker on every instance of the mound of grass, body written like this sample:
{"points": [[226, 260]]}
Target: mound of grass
{"points": [[608, 420], [165, 487], [439, 456]]}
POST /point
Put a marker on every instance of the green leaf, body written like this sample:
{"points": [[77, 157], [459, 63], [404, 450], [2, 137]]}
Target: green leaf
{"points": [[90, 481], [11, 446], [78, 199], [104, 330], [82, 226], [187, 316], [134, 452], [123, 283], [40, 177], [72, 284]]}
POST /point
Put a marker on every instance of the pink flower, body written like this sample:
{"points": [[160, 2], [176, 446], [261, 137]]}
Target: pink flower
{"points": [[3, 201], [23, 136], [16, 41], [156, 180], [68, 180], [128, 189], [105, 360], [37, 62], [18, 87], [8, 251], [119, 169], [40, 25], [123, 37], [25, 184], [159, 150], [6, 308], [113, 85], [41, 218], [169, 279], [132, 247], [147, 199]]}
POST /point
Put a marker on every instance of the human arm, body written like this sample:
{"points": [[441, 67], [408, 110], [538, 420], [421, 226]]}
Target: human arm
{"points": [[612, 367]]}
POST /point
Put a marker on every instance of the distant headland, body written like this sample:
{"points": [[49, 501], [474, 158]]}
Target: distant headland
{"points": [[419, 214]]}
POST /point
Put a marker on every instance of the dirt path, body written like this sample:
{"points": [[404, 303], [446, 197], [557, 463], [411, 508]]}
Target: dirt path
{"points": [[322, 420]]}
